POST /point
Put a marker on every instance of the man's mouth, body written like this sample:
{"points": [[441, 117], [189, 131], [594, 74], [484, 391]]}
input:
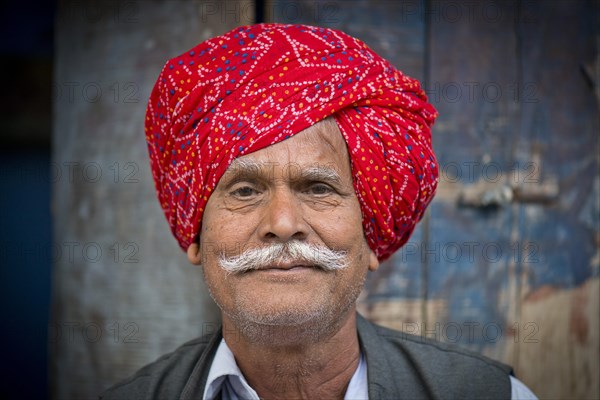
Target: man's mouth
{"points": [[285, 268]]}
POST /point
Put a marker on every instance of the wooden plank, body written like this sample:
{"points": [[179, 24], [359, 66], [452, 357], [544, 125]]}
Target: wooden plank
{"points": [[473, 73], [537, 146], [559, 335], [559, 132]]}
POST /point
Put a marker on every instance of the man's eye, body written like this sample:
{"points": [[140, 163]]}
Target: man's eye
{"points": [[244, 191], [320, 189]]}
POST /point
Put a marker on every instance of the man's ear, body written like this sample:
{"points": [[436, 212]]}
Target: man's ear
{"points": [[193, 254], [373, 261]]}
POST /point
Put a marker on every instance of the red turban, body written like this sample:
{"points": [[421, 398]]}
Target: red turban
{"points": [[258, 85]]}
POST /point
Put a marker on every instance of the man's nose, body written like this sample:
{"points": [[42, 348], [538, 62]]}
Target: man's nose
{"points": [[283, 217]]}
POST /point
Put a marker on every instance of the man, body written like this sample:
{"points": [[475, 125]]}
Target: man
{"points": [[290, 161]]}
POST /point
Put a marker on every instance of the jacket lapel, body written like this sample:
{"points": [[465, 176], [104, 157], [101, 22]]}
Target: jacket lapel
{"points": [[194, 388]]}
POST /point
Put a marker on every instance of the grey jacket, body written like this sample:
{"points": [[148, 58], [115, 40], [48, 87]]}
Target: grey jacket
{"points": [[399, 366]]}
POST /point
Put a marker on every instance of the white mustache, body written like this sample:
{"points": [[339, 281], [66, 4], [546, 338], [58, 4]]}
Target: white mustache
{"points": [[285, 253]]}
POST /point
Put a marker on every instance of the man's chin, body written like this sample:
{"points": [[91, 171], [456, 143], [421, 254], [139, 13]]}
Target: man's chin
{"points": [[284, 327]]}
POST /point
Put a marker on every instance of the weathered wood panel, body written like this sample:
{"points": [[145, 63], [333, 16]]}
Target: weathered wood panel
{"points": [[123, 292], [472, 267], [559, 341], [543, 139], [559, 292]]}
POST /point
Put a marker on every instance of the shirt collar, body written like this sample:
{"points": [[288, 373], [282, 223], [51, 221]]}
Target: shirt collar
{"points": [[223, 368], [225, 375]]}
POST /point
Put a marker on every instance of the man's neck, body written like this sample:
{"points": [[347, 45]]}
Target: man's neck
{"points": [[297, 368]]}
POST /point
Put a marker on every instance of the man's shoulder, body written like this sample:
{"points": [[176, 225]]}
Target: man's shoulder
{"points": [[165, 377], [443, 353], [424, 368]]}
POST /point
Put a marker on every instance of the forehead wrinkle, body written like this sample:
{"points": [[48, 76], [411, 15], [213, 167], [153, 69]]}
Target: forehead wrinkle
{"points": [[328, 131], [325, 132]]}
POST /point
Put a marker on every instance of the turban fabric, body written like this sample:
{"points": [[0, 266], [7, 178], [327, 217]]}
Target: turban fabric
{"points": [[258, 85]]}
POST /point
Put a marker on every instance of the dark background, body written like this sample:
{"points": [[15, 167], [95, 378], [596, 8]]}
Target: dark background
{"points": [[26, 52]]}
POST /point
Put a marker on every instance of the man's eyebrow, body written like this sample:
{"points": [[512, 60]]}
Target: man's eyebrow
{"points": [[321, 174], [243, 167], [243, 163]]}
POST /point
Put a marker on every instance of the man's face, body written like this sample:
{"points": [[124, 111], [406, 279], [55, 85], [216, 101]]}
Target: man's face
{"points": [[298, 189]]}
